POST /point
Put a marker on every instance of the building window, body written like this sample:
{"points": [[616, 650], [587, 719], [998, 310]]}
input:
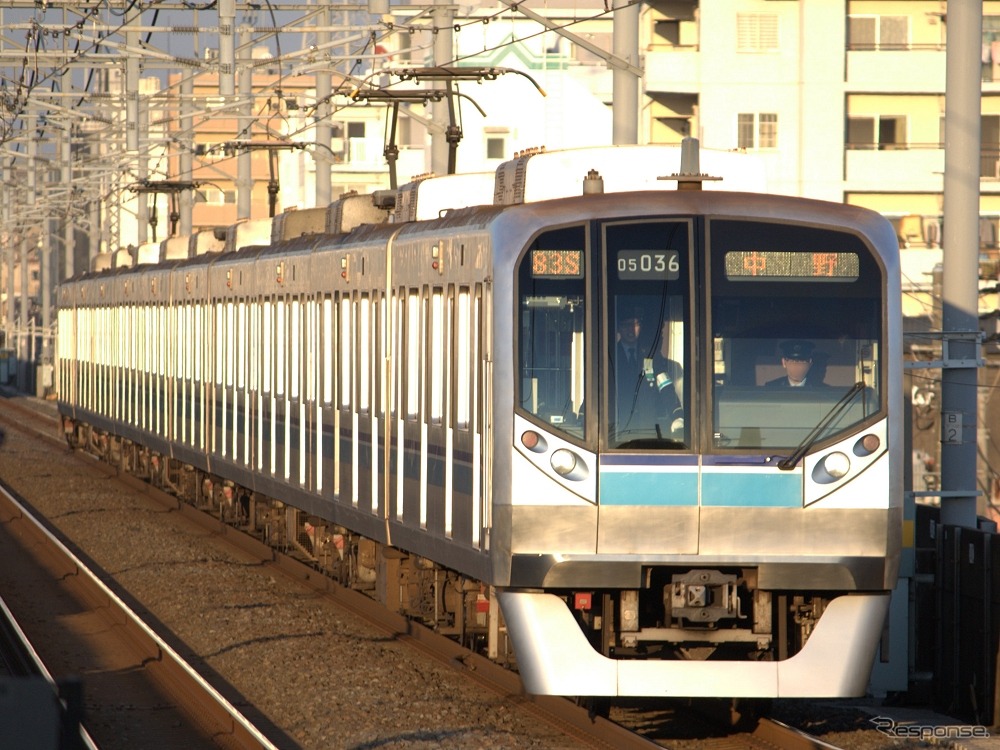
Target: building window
{"points": [[356, 143], [991, 48], [878, 32], [880, 132], [989, 159], [215, 197], [757, 130], [496, 147], [756, 32]]}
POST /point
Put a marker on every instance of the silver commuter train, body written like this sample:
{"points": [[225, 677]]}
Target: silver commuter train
{"points": [[443, 411]]}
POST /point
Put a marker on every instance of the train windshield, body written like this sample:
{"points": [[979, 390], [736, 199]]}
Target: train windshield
{"points": [[796, 320], [648, 271], [783, 342]]}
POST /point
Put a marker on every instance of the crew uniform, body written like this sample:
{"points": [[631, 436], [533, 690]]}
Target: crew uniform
{"points": [[646, 399]]}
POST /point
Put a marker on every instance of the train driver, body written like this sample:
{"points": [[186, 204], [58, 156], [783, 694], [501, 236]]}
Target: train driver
{"points": [[797, 360]]}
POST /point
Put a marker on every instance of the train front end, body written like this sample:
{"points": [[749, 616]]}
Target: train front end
{"points": [[698, 492]]}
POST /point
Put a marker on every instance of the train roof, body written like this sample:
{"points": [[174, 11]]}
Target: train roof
{"points": [[544, 175], [532, 176]]}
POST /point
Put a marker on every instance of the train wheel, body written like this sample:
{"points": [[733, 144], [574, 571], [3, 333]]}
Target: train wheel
{"points": [[744, 713], [596, 705]]}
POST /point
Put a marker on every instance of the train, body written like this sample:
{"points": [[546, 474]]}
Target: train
{"points": [[553, 425]]}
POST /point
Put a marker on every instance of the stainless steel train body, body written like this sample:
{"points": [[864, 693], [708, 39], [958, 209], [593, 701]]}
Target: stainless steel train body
{"points": [[452, 388]]}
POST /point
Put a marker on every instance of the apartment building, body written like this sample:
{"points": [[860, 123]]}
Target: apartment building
{"points": [[278, 134], [843, 100]]}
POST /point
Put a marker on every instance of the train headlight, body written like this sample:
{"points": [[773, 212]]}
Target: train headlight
{"points": [[833, 466], [563, 462], [567, 464]]}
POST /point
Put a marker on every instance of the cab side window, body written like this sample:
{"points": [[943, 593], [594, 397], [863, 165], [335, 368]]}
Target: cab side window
{"points": [[552, 330]]}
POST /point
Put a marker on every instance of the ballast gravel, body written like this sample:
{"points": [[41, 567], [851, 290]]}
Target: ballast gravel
{"points": [[311, 675]]}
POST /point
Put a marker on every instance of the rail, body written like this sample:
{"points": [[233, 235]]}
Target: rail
{"points": [[214, 714]]}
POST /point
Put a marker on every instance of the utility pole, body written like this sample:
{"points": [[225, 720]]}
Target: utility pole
{"points": [[142, 172], [244, 163], [324, 129], [444, 18], [29, 237], [66, 176], [7, 237], [625, 85], [960, 284], [227, 48], [185, 160]]}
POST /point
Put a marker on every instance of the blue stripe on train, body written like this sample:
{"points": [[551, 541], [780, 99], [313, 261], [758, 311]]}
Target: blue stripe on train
{"points": [[755, 489], [648, 488]]}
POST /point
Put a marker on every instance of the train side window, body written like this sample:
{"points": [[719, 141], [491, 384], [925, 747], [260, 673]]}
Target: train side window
{"points": [[463, 358], [241, 344], [177, 350], [436, 357], [220, 342], [364, 354], [268, 340], [412, 373], [188, 342], [552, 330], [156, 320], [255, 346], [180, 346], [312, 343], [202, 337], [230, 344], [328, 343], [380, 333], [393, 393], [280, 337], [295, 355], [346, 351]]}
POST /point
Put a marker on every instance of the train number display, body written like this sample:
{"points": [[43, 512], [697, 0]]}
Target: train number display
{"points": [[649, 264]]}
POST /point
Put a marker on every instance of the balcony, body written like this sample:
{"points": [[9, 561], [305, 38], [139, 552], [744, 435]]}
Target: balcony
{"points": [[673, 69], [895, 168], [898, 70]]}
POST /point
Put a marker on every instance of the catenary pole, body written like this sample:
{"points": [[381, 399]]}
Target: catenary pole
{"points": [[624, 84], [324, 128], [960, 285], [444, 17], [244, 163]]}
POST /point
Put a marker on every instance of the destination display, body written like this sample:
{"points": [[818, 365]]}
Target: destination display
{"points": [[777, 265]]}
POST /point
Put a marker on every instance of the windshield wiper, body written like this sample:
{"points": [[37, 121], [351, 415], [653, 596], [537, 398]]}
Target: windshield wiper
{"points": [[787, 464]]}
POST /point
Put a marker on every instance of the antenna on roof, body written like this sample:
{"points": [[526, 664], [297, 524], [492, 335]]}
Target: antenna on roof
{"points": [[690, 176]]}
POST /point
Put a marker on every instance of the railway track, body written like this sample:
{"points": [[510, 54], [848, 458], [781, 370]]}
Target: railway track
{"points": [[583, 729], [35, 710], [17, 657], [774, 734], [573, 721], [104, 631], [711, 723]]}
